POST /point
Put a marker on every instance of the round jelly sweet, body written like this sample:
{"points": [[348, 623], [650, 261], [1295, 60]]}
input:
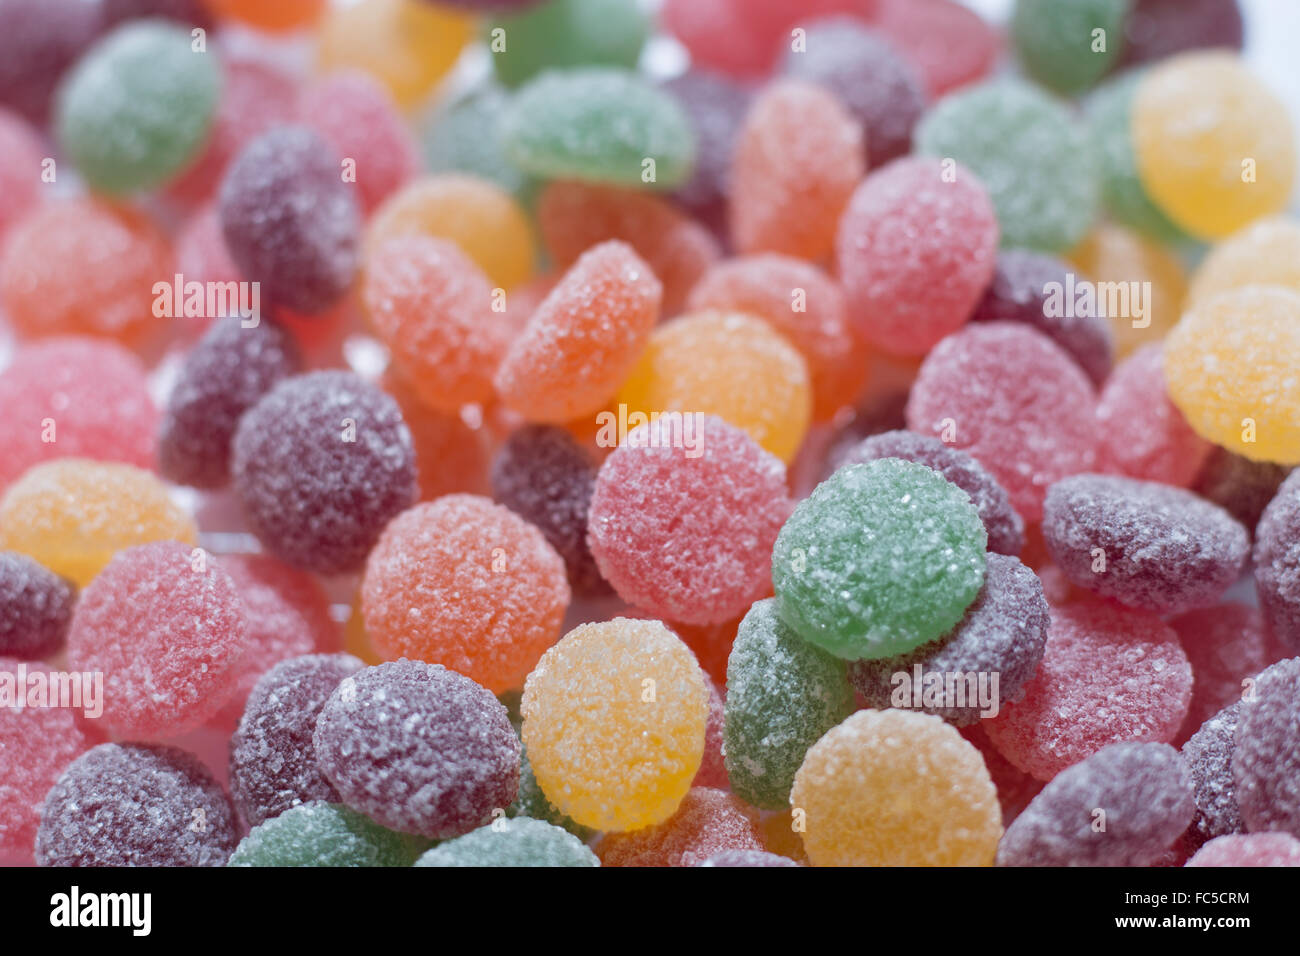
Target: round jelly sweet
{"points": [[1277, 577], [1156, 29], [464, 136], [1226, 644], [1249, 849], [39, 41], [325, 834], [1208, 754], [452, 452], [716, 107], [518, 842], [1266, 759], [566, 33], [1068, 46], [706, 822], [950, 44], [1265, 253], [1240, 486], [35, 608]]}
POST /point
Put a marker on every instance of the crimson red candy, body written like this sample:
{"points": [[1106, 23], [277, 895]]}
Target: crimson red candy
{"points": [[949, 42], [707, 822]]}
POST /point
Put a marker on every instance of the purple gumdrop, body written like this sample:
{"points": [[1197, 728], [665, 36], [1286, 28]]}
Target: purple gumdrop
{"points": [[188, 12], [1156, 29], [1141, 543], [869, 76], [1002, 635], [1006, 529], [136, 805], [1277, 562], [1123, 806], [1266, 759], [1240, 486], [747, 858], [1208, 754], [272, 758], [1019, 293], [39, 40], [35, 608], [321, 464], [223, 376], [715, 106], [419, 749], [290, 221], [543, 475]]}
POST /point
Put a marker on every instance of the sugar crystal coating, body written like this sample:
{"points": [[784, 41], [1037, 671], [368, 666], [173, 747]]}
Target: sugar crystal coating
{"points": [[1264, 253], [950, 43], [1049, 40], [707, 822], [1209, 757], [564, 33], [325, 834], [290, 221], [35, 608], [713, 766], [1266, 760], [1249, 849], [1006, 529], [685, 532], [320, 464], [1161, 548], [893, 788], [1108, 675], [783, 693], [614, 722], [747, 858], [418, 748], [464, 136], [1277, 563], [165, 625], [518, 842], [1003, 633], [1123, 806], [224, 375], [272, 757], [1226, 645], [882, 557], [136, 805]]}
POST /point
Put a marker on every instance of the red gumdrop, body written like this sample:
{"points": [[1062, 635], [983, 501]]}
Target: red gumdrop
{"points": [[916, 248], [949, 43], [708, 821], [1013, 399], [21, 154]]}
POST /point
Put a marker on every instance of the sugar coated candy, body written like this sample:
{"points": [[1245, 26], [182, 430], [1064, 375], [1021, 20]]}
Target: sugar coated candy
{"points": [[893, 788], [715, 107], [747, 858], [1265, 253], [517, 842], [1123, 806], [35, 608], [1156, 29], [1276, 574], [1227, 645], [614, 722], [1249, 849], [567, 33], [1208, 753], [882, 557], [950, 43], [1068, 45], [706, 822], [136, 805], [325, 834], [418, 749], [1267, 753], [39, 40], [463, 135]]}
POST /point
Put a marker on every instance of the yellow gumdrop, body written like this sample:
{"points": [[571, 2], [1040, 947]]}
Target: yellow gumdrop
{"points": [[483, 219], [1115, 254], [72, 515], [896, 788], [1215, 148], [728, 364], [1230, 367], [407, 45], [614, 718], [1267, 253]]}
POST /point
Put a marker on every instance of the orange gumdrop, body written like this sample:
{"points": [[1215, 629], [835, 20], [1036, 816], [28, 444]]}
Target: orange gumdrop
{"points": [[277, 16]]}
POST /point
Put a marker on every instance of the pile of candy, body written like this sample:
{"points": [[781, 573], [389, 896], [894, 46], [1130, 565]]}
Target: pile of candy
{"points": [[460, 433]]}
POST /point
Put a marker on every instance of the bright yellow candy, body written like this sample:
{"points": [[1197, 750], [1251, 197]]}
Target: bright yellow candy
{"points": [[1230, 366], [1115, 254], [1267, 253], [728, 364], [484, 220], [614, 718], [1215, 148], [72, 515], [896, 788], [408, 45]]}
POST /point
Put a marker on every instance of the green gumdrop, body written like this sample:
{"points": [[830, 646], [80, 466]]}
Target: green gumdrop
{"points": [[1068, 45], [599, 124], [1035, 159], [879, 559], [326, 834], [566, 33], [138, 107], [1110, 113], [465, 137], [519, 842], [783, 694]]}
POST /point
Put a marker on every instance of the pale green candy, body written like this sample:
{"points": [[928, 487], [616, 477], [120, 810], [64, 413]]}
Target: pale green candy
{"points": [[465, 137], [881, 558], [783, 694], [566, 33], [518, 842], [599, 124], [326, 834], [1034, 157], [1058, 43], [138, 107]]}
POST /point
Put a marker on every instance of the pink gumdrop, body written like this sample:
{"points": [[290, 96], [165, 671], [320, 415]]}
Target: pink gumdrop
{"points": [[916, 248], [1012, 398], [201, 252], [708, 821], [167, 629], [1109, 674], [288, 616], [36, 743], [713, 770], [683, 518], [75, 397], [949, 43], [1249, 849], [358, 117], [1140, 433], [255, 95], [21, 154]]}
